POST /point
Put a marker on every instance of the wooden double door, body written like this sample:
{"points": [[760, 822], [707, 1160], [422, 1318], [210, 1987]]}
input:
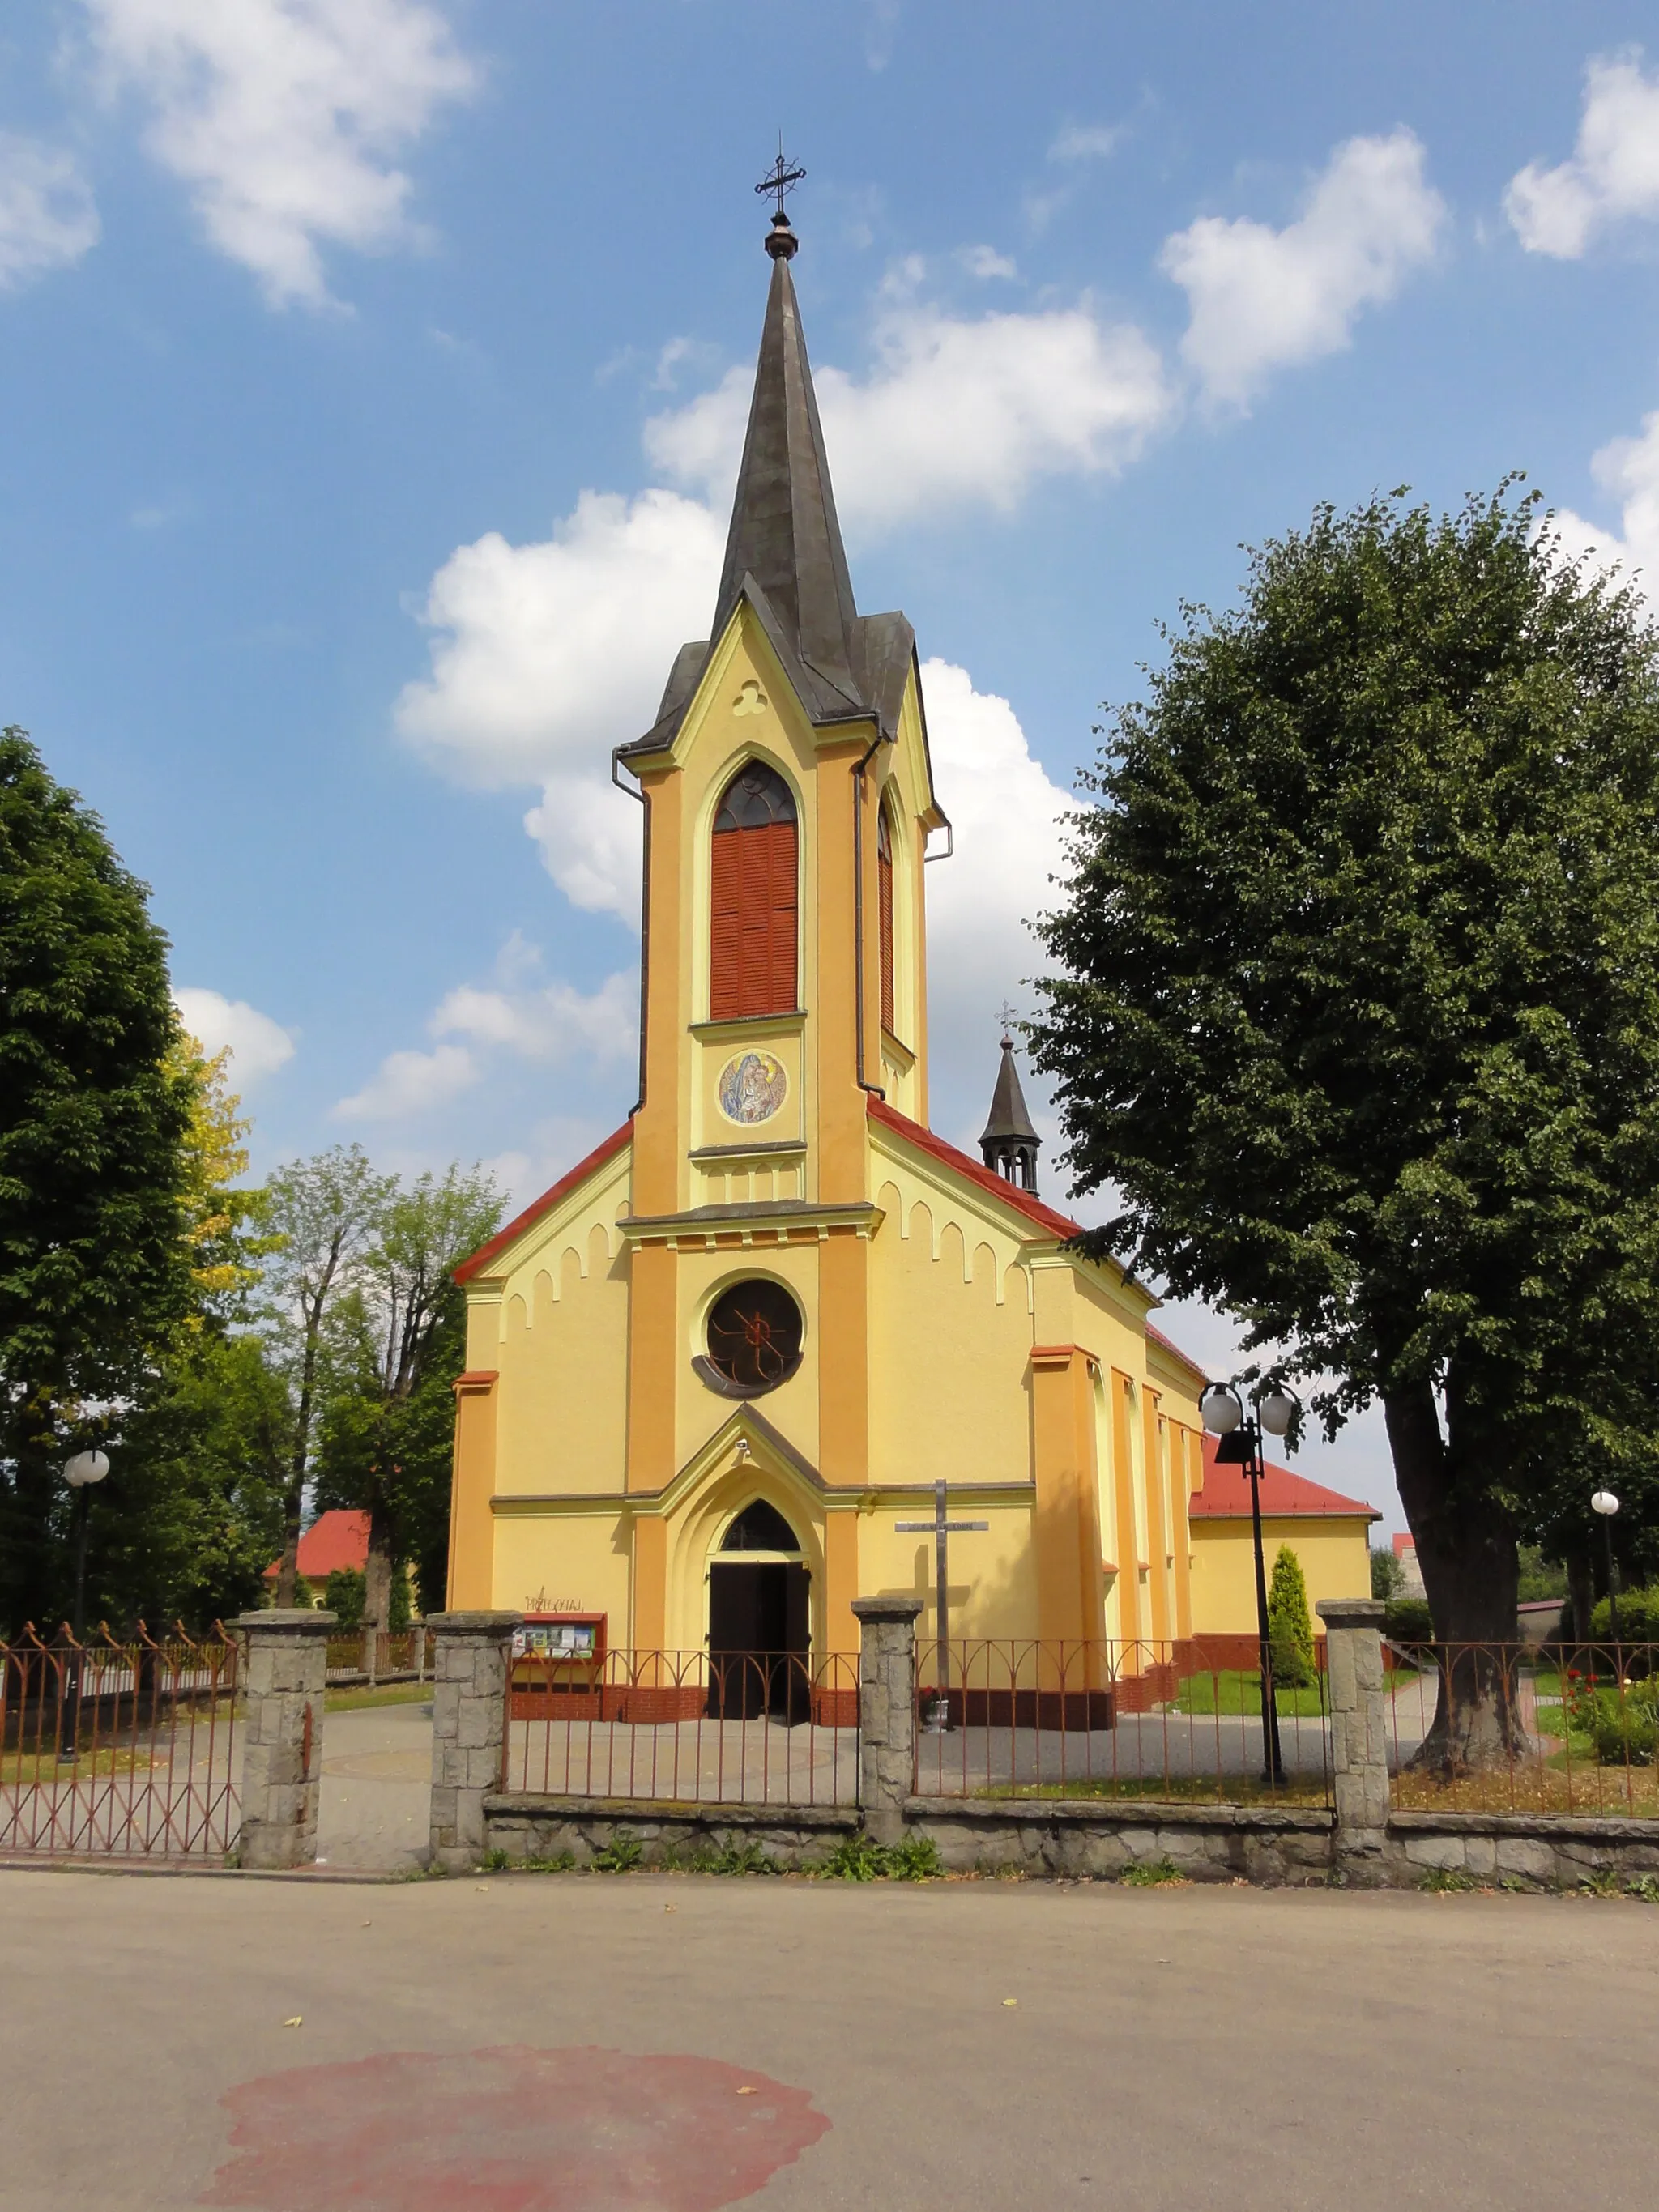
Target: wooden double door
{"points": [[759, 1638]]}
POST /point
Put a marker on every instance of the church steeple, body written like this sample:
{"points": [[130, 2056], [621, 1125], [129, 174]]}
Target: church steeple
{"points": [[784, 532], [1009, 1145]]}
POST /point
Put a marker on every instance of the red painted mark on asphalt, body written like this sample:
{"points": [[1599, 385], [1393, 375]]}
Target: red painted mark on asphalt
{"points": [[510, 2129]]}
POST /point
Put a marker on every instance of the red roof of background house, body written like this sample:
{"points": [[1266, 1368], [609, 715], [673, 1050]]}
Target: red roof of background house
{"points": [[1402, 1545], [1226, 1495], [339, 1539]]}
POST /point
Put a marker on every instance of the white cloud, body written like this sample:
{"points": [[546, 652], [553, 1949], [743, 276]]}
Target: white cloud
{"points": [[257, 1046], [1008, 840], [985, 263], [411, 1083], [548, 654], [1628, 469], [48, 218], [284, 115], [520, 1014], [549, 1022], [1613, 172], [956, 412], [1085, 141], [1262, 299]]}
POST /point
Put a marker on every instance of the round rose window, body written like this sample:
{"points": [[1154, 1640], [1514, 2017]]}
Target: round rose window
{"points": [[754, 1338]]}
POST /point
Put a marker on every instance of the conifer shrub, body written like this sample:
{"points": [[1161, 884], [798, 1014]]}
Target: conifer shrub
{"points": [[1290, 1625]]}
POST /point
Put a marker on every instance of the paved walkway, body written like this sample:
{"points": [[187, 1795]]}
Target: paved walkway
{"points": [[597, 2043], [376, 1792]]}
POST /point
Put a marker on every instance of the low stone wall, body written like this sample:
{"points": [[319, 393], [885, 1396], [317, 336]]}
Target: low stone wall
{"points": [[1035, 1836], [1062, 1836], [1274, 1846], [1553, 1850], [527, 1825]]}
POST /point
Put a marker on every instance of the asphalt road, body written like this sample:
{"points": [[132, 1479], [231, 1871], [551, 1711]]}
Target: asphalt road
{"points": [[577, 2044]]}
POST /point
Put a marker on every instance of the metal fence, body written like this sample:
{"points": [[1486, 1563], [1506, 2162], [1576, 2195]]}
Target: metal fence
{"points": [[750, 1728], [1111, 1719], [1519, 1728], [118, 1747], [406, 1656]]}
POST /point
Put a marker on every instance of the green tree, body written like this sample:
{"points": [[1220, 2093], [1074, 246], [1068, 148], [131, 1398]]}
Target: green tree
{"points": [[1358, 1009], [386, 1437], [1387, 1576], [324, 1215], [94, 1108], [1290, 1625], [191, 1514]]}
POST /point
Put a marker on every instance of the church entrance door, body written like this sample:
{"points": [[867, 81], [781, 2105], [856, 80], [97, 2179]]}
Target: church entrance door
{"points": [[758, 1639]]}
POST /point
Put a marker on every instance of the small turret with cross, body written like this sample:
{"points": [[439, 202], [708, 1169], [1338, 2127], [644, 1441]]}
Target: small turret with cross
{"points": [[1009, 1144]]}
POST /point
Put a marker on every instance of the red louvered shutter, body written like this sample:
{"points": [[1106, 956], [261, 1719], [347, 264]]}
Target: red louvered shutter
{"points": [[884, 888], [726, 926], [753, 912]]}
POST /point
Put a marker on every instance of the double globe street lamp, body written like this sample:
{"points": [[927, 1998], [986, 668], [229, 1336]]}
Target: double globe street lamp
{"points": [[1239, 1431], [81, 1473]]}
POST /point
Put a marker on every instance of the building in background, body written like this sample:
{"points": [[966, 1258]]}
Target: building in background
{"points": [[1329, 1533]]}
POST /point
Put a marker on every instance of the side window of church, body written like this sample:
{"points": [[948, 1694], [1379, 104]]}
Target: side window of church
{"points": [[753, 901], [885, 900]]}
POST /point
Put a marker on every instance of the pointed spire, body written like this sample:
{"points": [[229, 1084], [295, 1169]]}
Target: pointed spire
{"points": [[784, 533], [1009, 1144]]}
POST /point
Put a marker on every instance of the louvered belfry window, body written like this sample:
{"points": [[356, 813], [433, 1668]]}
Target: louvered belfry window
{"points": [[754, 898], [884, 902]]}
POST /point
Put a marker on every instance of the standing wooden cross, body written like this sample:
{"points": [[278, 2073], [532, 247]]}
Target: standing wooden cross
{"points": [[939, 1528]]}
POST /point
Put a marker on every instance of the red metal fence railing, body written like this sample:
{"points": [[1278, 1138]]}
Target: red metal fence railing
{"points": [[753, 1729], [1519, 1728], [118, 1747], [1110, 1719], [406, 1656]]}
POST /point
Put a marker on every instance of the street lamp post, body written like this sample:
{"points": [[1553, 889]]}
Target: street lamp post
{"points": [[1604, 1503], [1239, 1434], [80, 1473]]}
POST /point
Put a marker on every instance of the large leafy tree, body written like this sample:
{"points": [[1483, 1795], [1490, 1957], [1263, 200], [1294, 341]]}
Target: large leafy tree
{"points": [[324, 1215], [95, 1111], [388, 1433], [1358, 1010]]}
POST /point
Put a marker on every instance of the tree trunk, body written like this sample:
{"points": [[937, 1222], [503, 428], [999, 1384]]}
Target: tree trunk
{"points": [[288, 1570], [1465, 1547], [377, 1583]]}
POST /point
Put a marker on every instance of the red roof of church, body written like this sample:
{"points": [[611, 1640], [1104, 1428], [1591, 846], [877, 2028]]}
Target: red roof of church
{"points": [[339, 1539], [476, 1262], [1226, 1495], [1057, 1224]]}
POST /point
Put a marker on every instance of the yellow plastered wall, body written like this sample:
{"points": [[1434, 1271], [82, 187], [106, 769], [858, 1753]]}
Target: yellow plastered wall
{"points": [[992, 1589], [563, 1361], [565, 1563], [950, 1341], [1333, 1551]]}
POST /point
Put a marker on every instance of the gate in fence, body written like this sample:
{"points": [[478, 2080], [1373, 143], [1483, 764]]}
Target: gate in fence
{"points": [[118, 1747]]}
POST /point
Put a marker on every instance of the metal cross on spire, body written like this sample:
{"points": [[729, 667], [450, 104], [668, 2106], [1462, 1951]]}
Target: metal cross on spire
{"points": [[1006, 1015], [782, 177]]}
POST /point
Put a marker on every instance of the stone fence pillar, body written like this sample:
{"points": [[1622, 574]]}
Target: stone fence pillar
{"points": [[1359, 1742], [473, 1663], [887, 1711], [283, 1734]]}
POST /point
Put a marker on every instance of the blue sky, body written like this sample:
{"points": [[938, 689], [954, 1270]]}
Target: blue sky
{"points": [[371, 374]]}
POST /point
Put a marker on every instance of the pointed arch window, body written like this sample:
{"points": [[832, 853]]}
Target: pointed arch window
{"points": [[885, 908], [753, 897]]}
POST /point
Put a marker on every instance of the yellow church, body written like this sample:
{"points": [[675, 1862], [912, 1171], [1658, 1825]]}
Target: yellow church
{"points": [[714, 1367]]}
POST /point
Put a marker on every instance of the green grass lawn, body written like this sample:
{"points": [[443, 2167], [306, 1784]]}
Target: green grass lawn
{"points": [[1235, 1693], [353, 1699], [1174, 1788]]}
